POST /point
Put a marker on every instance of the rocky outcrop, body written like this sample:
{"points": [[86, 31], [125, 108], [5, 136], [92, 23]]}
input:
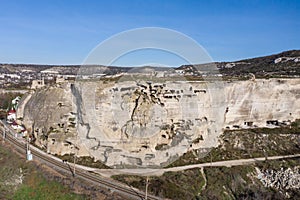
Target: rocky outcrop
{"points": [[283, 179], [152, 123]]}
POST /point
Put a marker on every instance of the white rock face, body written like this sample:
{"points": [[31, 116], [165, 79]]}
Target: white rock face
{"points": [[285, 59], [262, 100], [147, 124], [153, 123]]}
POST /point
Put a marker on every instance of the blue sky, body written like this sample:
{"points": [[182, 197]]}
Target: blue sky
{"points": [[65, 31]]}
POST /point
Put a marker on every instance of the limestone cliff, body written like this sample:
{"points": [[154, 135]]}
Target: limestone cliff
{"points": [[151, 123]]}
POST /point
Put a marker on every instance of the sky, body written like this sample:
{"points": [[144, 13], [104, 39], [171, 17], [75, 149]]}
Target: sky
{"points": [[67, 31]]}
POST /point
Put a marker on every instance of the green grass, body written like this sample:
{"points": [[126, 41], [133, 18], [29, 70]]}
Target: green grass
{"points": [[34, 185], [183, 185], [84, 160], [238, 182], [38, 188]]}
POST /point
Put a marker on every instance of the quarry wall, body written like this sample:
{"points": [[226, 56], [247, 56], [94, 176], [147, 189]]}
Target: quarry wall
{"points": [[152, 123]]}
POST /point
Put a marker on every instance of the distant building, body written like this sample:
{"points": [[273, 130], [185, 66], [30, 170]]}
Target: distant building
{"points": [[37, 84], [49, 72], [11, 116], [69, 76], [15, 102], [179, 71], [60, 80]]}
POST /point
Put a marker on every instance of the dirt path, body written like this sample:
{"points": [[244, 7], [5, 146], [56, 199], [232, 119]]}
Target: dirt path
{"points": [[159, 172]]}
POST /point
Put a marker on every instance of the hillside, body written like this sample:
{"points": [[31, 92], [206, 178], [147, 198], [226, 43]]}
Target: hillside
{"points": [[289, 65], [286, 64], [114, 118]]}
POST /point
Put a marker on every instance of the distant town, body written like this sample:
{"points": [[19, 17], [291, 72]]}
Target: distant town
{"points": [[26, 76]]}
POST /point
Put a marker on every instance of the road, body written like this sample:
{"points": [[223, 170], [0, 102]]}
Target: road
{"points": [[81, 172], [159, 172]]}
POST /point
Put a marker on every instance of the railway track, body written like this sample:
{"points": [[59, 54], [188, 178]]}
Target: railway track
{"points": [[57, 164]]}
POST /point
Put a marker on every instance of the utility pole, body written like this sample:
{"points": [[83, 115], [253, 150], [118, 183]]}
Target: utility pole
{"points": [[74, 164], [75, 155], [147, 184], [266, 152], [4, 134], [210, 159], [28, 152]]}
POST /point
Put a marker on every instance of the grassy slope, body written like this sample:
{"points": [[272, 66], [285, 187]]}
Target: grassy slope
{"points": [[34, 185], [37, 187], [237, 182], [248, 143]]}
